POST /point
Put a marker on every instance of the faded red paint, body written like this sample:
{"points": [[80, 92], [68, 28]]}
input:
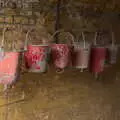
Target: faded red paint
{"points": [[35, 55], [61, 55], [8, 67]]}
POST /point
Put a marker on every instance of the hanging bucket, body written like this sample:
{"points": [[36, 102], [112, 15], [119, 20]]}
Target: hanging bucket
{"points": [[9, 64], [112, 52], [36, 57], [98, 55], [61, 54], [81, 54], [8, 67]]}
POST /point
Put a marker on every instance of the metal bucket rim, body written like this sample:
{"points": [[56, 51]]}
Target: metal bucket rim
{"points": [[59, 44], [88, 45], [115, 46], [17, 51], [84, 49], [38, 45], [98, 46]]}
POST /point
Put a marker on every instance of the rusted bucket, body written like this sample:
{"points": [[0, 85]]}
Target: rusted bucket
{"points": [[112, 51], [61, 55], [9, 64], [81, 54], [36, 57], [98, 56]]}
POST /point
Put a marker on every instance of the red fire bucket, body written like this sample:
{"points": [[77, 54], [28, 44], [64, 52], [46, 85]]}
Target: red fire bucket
{"points": [[36, 57], [8, 65], [61, 54], [98, 55], [81, 54]]}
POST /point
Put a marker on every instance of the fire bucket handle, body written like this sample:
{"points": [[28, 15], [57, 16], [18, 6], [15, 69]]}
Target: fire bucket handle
{"points": [[26, 39], [62, 31], [83, 36], [60, 71], [3, 37], [19, 30], [95, 38], [113, 38]]}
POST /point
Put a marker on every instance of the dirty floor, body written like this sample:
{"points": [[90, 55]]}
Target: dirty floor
{"points": [[69, 96]]}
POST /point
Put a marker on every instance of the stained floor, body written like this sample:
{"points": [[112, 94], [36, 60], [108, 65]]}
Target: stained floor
{"points": [[71, 95]]}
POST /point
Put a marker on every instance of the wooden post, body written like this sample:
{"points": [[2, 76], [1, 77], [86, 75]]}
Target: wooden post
{"points": [[57, 24]]}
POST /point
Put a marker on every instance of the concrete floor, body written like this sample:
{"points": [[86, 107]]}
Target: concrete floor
{"points": [[68, 96]]}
